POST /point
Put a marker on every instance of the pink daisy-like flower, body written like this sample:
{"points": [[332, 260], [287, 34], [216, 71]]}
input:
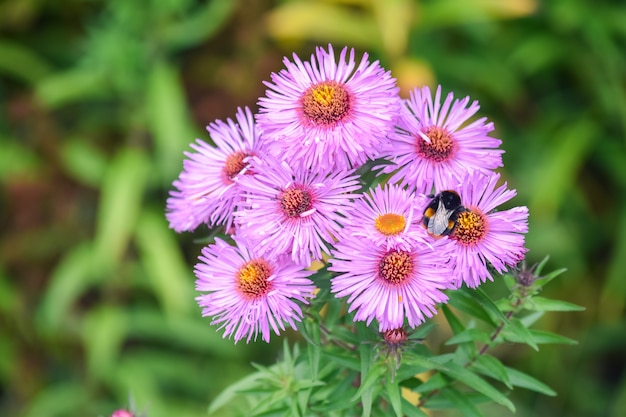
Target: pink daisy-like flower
{"points": [[206, 190], [482, 235], [294, 212], [391, 285], [250, 294], [328, 113], [436, 145], [388, 216]]}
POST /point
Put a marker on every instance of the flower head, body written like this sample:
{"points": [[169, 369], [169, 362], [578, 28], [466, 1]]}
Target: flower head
{"points": [[390, 285], [294, 212], [328, 113], [482, 235], [388, 216], [206, 190], [250, 294], [433, 144]]}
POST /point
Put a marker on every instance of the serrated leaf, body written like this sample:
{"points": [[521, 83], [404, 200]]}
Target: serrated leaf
{"points": [[522, 380], [547, 304]]}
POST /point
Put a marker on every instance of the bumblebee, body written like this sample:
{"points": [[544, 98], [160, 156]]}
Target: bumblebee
{"points": [[442, 213]]}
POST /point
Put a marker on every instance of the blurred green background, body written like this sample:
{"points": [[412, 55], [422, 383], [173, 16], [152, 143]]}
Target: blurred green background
{"points": [[98, 100]]}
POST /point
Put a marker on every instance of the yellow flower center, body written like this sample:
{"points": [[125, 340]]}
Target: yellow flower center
{"points": [[439, 148], [390, 224], [396, 266], [326, 104], [295, 201], [252, 278], [471, 227]]}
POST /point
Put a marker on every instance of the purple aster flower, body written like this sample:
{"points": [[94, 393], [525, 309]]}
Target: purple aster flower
{"points": [[295, 212], [390, 285], [206, 190], [250, 294], [388, 216], [437, 145], [483, 235], [328, 113]]}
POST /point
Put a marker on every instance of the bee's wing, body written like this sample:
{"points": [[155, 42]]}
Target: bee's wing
{"points": [[438, 223]]}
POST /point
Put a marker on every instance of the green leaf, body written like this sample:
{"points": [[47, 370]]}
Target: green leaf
{"points": [[461, 402], [488, 305], [544, 337], [544, 280], [423, 330], [227, 395], [492, 367], [104, 331], [515, 331], [83, 161], [394, 396], [522, 380], [169, 119], [344, 360], [21, 62], [68, 281], [410, 410], [469, 336], [435, 381], [200, 25], [462, 300], [370, 375], [120, 204], [468, 348], [455, 324], [170, 278], [76, 84], [60, 399], [546, 304], [459, 373]]}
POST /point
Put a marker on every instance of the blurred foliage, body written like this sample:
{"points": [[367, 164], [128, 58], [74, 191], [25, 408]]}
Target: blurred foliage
{"points": [[100, 98]]}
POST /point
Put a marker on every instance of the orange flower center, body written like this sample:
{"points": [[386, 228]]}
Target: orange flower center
{"points": [[234, 165], [471, 227], [390, 224], [326, 104], [439, 148], [396, 266], [252, 278], [295, 201]]}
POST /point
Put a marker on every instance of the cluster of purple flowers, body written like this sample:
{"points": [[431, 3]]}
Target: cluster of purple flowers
{"points": [[284, 184]]}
